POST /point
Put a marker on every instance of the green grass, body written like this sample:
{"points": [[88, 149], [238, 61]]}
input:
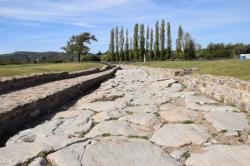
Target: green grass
{"points": [[106, 135], [11, 70], [231, 68], [188, 122], [139, 137]]}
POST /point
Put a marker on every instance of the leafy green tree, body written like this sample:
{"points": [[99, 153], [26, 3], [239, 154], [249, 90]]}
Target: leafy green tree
{"points": [[147, 43], [151, 43], [136, 44], [142, 42], [156, 44], [121, 45], [70, 49], [189, 47], [169, 42], [162, 39], [77, 44], [112, 45], [179, 43], [126, 47], [116, 44]]}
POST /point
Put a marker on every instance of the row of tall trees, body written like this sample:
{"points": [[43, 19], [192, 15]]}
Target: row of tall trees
{"points": [[148, 44]]}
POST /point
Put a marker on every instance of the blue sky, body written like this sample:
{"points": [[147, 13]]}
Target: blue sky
{"points": [[46, 25]]}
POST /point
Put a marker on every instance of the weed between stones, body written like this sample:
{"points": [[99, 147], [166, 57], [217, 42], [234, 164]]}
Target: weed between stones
{"points": [[106, 135], [188, 122], [140, 137], [185, 155]]}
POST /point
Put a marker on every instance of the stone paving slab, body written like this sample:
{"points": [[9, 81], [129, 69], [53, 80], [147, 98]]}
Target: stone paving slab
{"points": [[144, 119], [174, 113], [223, 155], [228, 121], [18, 154], [124, 152], [176, 135], [118, 127]]}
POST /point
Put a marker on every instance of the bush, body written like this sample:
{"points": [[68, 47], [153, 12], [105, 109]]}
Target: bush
{"points": [[90, 58], [57, 61], [10, 62]]}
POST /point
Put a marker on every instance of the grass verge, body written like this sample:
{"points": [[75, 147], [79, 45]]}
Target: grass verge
{"points": [[12, 70], [231, 68]]}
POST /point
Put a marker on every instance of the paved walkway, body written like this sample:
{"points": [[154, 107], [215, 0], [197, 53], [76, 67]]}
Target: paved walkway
{"points": [[136, 119]]}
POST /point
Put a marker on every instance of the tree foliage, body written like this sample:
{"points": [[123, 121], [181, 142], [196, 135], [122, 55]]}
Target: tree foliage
{"points": [[112, 45], [189, 47], [131, 52], [77, 44], [179, 43], [136, 45], [121, 44], [147, 43], [169, 42], [162, 40], [151, 45], [142, 42], [116, 44], [126, 47], [156, 44]]}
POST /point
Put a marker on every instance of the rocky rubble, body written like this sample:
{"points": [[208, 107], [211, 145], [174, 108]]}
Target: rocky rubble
{"points": [[137, 119]]}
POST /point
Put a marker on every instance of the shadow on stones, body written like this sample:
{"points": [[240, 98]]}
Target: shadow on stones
{"points": [[49, 114]]}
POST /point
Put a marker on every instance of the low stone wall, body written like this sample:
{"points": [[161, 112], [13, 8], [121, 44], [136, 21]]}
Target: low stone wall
{"points": [[170, 72], [18, 82], [224, 89], [11, 120]]}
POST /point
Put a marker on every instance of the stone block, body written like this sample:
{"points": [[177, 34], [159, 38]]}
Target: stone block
{"points": [[232, 84], [243, 86]]}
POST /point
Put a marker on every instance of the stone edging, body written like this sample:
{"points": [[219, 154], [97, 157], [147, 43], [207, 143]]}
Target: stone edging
{"points": [[229, 90], [19, 82], [11, 120]]}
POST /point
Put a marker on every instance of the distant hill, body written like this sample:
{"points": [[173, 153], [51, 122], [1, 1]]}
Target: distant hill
{"points": [[33, 57]]}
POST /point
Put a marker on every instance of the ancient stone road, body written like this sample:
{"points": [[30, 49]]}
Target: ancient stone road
{"points": [[13, 99], [136, 119]]}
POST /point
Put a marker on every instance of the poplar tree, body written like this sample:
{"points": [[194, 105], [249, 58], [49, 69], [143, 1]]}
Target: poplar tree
{"points": [[169, 47], [147, 43], [162, 39], [151, 42], [179, 43], [142, 42], [136, 45], [131, 50], [112, 45], [156, 44], [121, 44], [116, 44], [126, 47], [189, 47]]}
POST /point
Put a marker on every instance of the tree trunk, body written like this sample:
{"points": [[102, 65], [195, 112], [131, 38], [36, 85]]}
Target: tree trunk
{"points": [[79, 58]]}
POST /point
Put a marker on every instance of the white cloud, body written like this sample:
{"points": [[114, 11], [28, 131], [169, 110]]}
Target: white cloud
{"points": [[59, 11]]}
